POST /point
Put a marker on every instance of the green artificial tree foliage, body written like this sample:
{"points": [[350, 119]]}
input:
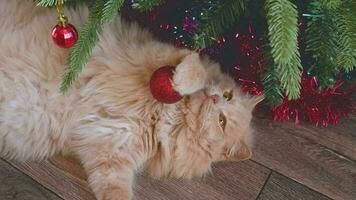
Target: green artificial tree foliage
{"points": [[101, 12], [45, 3], [345, 19], [146, 5], [282, 19], [217, 21], [330, 4], [80, 53], [321, 43], [331, 39], [51, 3], [271, 84]]}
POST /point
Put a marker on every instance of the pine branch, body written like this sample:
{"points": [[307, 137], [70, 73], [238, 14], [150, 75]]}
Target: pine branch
{"points": [[271, 84], [282, 17], [145, 4], [345, 18], [111, 9], [79, 54], [101, 12], [217, 21], [321, 43], [67, 3], [45, 3], [330, 4]]}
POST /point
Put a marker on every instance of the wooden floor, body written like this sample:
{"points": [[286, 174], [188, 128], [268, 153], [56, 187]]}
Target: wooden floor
{"points": [[290, 162]]}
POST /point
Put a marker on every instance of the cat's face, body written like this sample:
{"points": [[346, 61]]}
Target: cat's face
{"points": [[216, 127]]}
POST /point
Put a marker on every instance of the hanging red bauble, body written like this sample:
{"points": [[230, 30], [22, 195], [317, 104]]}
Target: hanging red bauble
{"points": [[161, 85], [65, 36]]}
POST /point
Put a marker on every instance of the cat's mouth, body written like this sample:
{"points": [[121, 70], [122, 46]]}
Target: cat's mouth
{"points": [[215, 98], [202, 105], [204, 96]]}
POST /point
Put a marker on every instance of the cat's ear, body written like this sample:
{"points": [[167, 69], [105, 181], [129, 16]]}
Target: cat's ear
{"points": [[244, 153], [251, 102]]}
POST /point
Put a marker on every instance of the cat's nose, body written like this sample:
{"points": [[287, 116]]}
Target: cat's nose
{"points": [[215, 98]]}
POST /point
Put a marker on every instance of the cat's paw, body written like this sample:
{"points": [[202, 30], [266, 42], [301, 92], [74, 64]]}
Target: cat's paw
{"points": [[190, 75]]}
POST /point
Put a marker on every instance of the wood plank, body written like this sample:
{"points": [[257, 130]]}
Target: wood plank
{"points": [[63, 183], [281, 187], [340, 138], [14, 185], [287, 150], [229, 181]]}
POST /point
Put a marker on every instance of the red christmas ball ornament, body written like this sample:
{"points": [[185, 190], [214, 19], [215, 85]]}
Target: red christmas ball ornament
{"points": [[65, 36], [161, 85]]}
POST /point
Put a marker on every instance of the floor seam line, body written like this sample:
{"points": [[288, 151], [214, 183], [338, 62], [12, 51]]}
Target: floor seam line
{"points": [[264, 184]]}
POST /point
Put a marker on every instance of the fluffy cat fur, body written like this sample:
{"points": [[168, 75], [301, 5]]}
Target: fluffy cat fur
{"points": [[109, 119]]}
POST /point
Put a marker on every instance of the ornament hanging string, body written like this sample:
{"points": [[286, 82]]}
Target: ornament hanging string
{"points": [[62, 19]]}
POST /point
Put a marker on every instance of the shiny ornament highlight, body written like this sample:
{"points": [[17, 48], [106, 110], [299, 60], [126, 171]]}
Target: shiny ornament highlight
{"points": [[65, 36]]}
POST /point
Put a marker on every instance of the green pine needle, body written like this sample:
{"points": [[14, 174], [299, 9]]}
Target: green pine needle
{"points": [[67, 3], [217, 21], [111, 9], [45, 3], [330, 4], [101, 12], [282, 18], [79, 54], [271, 84], [345, 18], [321, 44], [145, 4]]}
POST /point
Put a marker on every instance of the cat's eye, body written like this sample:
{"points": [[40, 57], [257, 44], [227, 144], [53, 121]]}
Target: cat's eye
{"points": [[222, 121], [227, 95]]}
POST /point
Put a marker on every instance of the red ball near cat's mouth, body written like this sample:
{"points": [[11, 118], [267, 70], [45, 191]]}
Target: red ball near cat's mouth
{"points": [[161, 85]]}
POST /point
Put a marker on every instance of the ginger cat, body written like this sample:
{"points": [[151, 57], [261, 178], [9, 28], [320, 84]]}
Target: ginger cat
{"points": [[109, 118]]}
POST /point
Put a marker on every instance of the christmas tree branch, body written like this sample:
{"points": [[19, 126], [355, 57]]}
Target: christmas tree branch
{"points": [[282, 18], [45, 3], [330, 4], [79, 54], [321, 43], [345, 18], [110, 10], [271, 84], [146, 4], [100, 13], [217, 21], [51, 3]]}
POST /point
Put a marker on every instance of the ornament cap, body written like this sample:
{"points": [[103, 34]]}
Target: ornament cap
{"points": [[62, 20]]}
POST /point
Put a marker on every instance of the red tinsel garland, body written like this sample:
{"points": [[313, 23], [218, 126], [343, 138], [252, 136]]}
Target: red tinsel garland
{"points": [[318, 107], [249, 68]]}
